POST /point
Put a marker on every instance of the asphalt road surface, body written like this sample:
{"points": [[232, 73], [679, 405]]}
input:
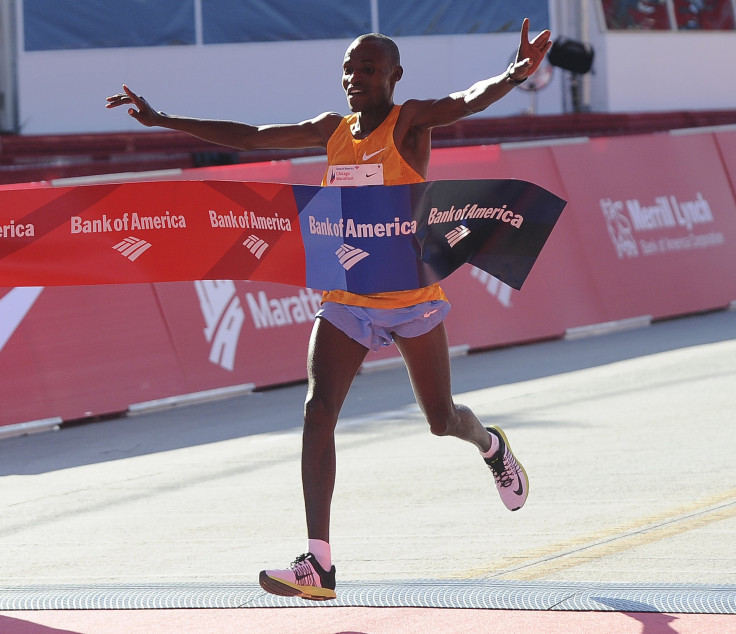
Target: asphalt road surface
{"points": [[628, 439]]}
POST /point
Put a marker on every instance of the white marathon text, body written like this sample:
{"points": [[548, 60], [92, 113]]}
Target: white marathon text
{"points": [[272, 312]]}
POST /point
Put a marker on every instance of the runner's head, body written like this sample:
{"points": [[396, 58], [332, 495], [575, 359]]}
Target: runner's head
{"points": [[370, 70]]}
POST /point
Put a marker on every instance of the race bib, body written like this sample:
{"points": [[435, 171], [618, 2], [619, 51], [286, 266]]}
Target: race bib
{"points": [[355, 175]]}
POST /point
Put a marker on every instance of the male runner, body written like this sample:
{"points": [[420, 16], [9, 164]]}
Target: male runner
{"points": [[397, 139]]}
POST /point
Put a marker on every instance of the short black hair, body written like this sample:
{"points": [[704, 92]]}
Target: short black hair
{"points": [[389, 46]]}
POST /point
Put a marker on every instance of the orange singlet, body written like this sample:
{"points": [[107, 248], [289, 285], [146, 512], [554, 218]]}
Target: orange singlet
{"points": [[377, 147]]}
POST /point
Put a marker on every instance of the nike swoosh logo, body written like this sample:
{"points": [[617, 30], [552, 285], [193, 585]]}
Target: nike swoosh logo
{"points": [[520, 490], [13, 309], [371, 174], [367, 157], [430, 313]]}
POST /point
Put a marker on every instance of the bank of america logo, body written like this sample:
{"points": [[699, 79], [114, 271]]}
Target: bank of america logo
{"points": [[457, 234], [256, 246], [350, 256], [132, 247]]}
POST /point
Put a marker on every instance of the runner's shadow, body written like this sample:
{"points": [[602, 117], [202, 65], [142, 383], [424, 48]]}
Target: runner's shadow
{"points": [[10, 625], [653, 621]]}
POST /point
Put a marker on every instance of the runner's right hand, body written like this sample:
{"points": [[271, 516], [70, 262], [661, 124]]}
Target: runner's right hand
{"points": [[144, 114]]}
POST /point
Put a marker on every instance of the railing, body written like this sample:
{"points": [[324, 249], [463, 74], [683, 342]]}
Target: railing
{"points": [[47, 157]]}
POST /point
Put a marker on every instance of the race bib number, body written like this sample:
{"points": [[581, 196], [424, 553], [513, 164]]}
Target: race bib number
{"points": [[355, 175]]}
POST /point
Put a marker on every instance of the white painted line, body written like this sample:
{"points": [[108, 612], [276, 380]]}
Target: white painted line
{"points": [[401, 413], [319, 158], [704, 129], [113, 178], [520, 145], [607, 327], [190, 399], [381, 364], [31, 427], [395, 362], [459, 350]]}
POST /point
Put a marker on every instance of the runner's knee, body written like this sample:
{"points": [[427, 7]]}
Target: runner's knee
{"points": [[439, 428], [441, 423], [446, 423], [320, 413]]}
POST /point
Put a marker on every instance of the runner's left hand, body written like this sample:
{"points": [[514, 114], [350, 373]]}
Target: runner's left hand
{"points": [[530, 54]]}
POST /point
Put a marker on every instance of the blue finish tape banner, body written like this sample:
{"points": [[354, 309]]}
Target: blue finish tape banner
{"points": [[361, 239]]}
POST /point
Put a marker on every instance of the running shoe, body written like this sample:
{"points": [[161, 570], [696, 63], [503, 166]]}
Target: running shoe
{"points": [[511, 479], [304, 578]]}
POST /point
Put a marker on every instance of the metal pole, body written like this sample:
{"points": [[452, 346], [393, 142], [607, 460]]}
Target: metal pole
{"points": [[8, 68]]}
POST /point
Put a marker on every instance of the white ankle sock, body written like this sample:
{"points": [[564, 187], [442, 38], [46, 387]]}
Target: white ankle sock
{"points": [[321, 550], [495, 445]]}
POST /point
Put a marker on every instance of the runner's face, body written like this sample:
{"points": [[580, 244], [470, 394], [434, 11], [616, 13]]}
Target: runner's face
{"points": [[368, 76]]}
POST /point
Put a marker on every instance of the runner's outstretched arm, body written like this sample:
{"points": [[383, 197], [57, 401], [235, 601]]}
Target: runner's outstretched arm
{"points": [[448, 110], [242, 136]]}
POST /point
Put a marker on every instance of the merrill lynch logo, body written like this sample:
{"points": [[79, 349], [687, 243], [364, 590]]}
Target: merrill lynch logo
{"points": [[625, 220]]}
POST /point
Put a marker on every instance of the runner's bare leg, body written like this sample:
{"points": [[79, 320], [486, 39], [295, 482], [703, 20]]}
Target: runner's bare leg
{"points": [[334, 360], [427, 359]]}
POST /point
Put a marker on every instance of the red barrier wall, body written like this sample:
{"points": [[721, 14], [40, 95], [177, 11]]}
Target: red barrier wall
{"points": [[231, 333], [726, 142], [650, 229], [84, 351], [654, 216]]}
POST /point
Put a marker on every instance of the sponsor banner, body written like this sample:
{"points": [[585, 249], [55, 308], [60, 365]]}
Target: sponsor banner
{"points": [[654, 217], [365, 240], [143, 232]]}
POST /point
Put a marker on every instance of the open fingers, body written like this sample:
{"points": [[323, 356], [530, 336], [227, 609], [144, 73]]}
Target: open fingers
{"points": [[532, 53], [117, 100], [121, 98], [525, 30], [137, 100], [542, 40]]}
